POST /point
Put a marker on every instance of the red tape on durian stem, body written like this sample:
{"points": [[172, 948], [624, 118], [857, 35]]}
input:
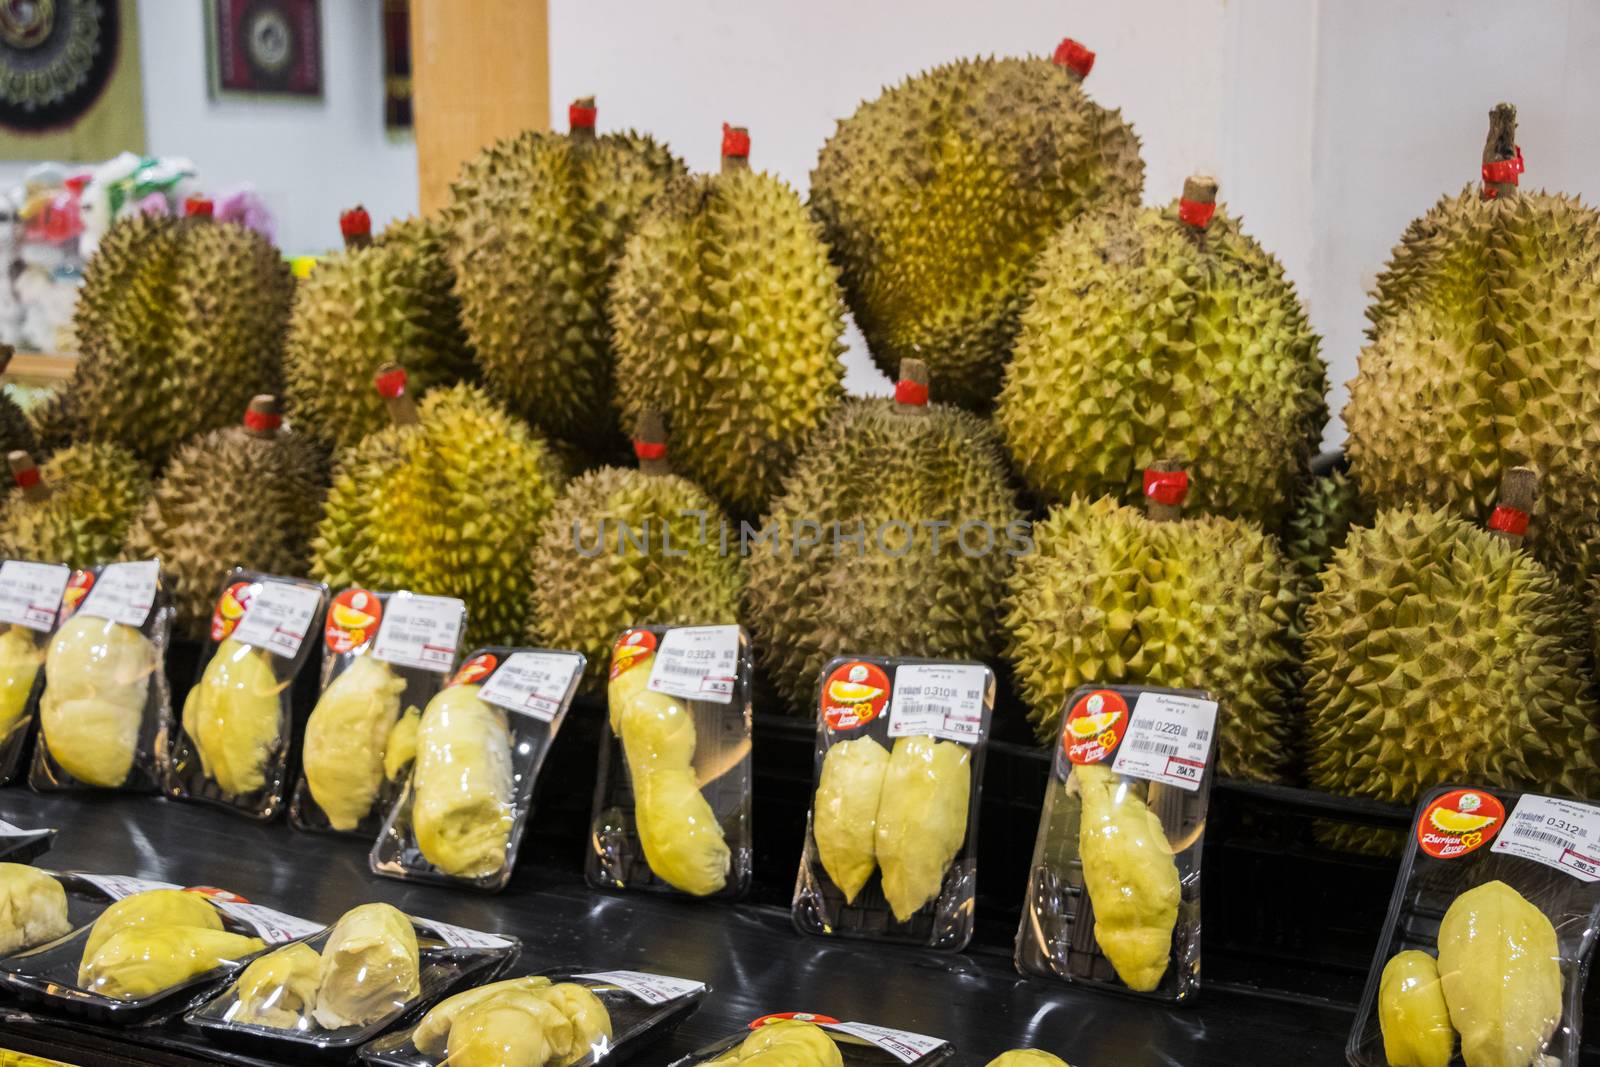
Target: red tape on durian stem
{"points": [[27, 479], [198, 205], [1513, 521], [581, 118], [735, 142], [1166, 487], [1074, 57], [650, 450], [262, 420], [355, 223], [1195, 213], [911, 393], [391, 383], [1505, 171]]}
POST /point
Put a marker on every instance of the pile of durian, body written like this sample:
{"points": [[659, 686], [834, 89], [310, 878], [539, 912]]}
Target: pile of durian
{"points": [[981, 223]]}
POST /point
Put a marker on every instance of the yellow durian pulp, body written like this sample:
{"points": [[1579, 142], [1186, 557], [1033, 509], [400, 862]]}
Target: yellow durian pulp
{"points": [[20, 660], [922, 819], [461, 805], [234, 718], [845, 814], [279, 990], [139, 961], [97, 679], [370, 968], [33, 908], [347, 739]]}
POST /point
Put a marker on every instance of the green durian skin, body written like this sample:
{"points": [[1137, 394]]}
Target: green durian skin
{"points": [[227, 499], [1483, 357], [450, 507], [96, 491], [1145, 339], [536, 228], [179, 323], [16, 428], [1438, 652], [871, 466], [592, 581], [391, 301], [1110, 597], [1325, 508], [937, 196], [728, 320]]}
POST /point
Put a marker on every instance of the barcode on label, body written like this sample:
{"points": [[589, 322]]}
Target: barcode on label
{"points": [[1545, 836], [1157, 747]]}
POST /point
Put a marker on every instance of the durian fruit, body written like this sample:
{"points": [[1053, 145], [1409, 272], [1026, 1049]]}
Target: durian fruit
{"points": [[844, 816], [33, 908], [1500, 966], [179, 322], [141, 961], [1440, 652], [922, 819], [1482, 357], [432, 1032], [727, 318], [536, 225], [347, 740], [401, 751], [20, 660], [234, 718], [1130, 876], [370, 968], [1110, 596], [1412, 1016], [1164, 332], [16, 431], [522, 1022], [153, 909], [279, 990], [625, 547], [97, 680], [461, 804], [1325, 508], [448, 503], [247, 496], [937, 196], [1027, 1057], [786, 1043], [76, 509], [377, 301], [923, 490], [678, 831]]}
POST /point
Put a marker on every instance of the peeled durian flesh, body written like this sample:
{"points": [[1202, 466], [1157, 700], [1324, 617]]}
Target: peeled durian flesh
{"points": [[347, 740], [844, 819], [20, 659], [33, 908], [1412, 1014], [461, 809], [401, 750], [682, 840], [786, 1043], [369, 969], [154, 909], [139, 961], [1130, 875], [1500, 968], [279, 989], [430, 1035], [591, 1023], [97, 677], [234, 719], [922, 819], [511, 1030], [1027, 1057]]}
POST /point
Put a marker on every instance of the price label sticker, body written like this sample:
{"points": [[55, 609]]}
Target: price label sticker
{"points": [[697, 663], [1559, 833], [533, 683], [941, 699], [273, 927], [461, 937], [902, 1045], [118, 886], [30, 593], [650, 988], [420, 631], [278, 616], [1168, 740], [124, 592]]}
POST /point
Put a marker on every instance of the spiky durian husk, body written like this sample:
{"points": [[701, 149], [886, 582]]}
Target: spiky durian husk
{"points": [[231, 499], [53, 422], [624, 548], [936, 197], [537, 224], [180, 322], [362, 308], [1483, 358], [16, 430], [1145, 340], [450, 507], [908, 589], [1439, 653], [1325, 507], [95, 492], [728, 320], [1109, 596]]}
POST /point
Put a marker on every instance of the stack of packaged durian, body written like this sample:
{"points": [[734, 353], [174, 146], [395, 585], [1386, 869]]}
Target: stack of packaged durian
{"points": [[434, 427]]}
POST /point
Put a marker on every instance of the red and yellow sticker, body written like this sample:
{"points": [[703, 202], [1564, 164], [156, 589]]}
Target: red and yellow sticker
{"points": [[475, 669], [632, 648], [230, 609], [1458, 822], [352, 621], [1095, 726], [853, 695], [802, 1016], [78, 587]]}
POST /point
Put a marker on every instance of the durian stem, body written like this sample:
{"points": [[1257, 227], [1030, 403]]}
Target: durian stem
{"points": [[1197, 205], [393, 387], [27, 476], [1519, 491], [1156, 511], [911, 392], [735, 148], [1500, 146], [650, 443], [263, 417], [581, 130]]}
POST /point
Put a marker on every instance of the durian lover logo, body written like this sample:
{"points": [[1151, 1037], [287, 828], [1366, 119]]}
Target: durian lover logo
{"points": [[1459, 822], [799, 538]]}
